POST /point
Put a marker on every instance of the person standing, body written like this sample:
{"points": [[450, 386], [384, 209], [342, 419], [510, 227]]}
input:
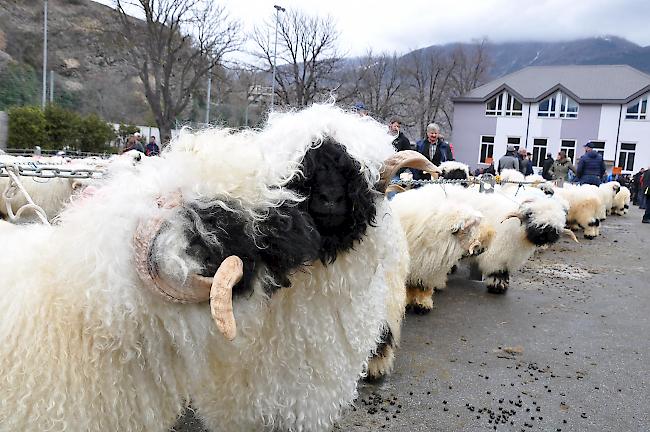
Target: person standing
{"points": [[400, 142], [646, 195], [547, 168], [434, 148], [635, 189], [152, 148], [591, 167], [562, 166], [509, 160]]}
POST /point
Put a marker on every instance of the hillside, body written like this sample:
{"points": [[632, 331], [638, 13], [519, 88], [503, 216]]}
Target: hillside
{"points": [[92, 76], [511, 56], [89, 75]]}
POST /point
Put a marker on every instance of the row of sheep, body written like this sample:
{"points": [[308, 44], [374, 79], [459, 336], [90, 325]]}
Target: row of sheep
{"points": [[257, 275], [498, 232]]}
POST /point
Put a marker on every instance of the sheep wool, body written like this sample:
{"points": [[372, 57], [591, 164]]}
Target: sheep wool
{"points": [[86, 343]]}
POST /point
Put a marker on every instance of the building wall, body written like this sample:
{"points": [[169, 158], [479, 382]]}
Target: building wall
{"points": [[594, 122], [637, 131], [470, 122]]}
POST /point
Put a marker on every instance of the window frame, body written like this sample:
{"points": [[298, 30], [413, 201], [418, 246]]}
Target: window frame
{"points": [[536, 151], [569, 150], [627, 153], [560, 105], [504, 106], [641, 113], [490, 146]]}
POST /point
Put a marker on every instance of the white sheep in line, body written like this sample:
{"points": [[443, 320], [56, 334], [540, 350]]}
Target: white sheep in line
{"points": [[585, 208], [90, 340], [521, 223], [621, 203], [440, 230]]}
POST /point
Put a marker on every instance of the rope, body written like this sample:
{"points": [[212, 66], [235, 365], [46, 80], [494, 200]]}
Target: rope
{"points": [[13, 186]]}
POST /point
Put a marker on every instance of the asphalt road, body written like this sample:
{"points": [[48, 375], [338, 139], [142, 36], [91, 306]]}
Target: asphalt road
{"points": [[565, 349]]}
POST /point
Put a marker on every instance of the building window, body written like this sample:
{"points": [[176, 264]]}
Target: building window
{"points": [[558, 105], [487, 149], [638, 110], [599, 146], [569, 147], [539, 151], [515, 141], [626, 156], [503, 104]]}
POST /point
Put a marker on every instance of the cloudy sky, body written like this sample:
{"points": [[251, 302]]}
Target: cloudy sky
{"points": [[403, 25]]}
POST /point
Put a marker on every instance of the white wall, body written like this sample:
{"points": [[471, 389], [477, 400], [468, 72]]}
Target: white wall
{"points": [[509, 127], [636, 131], [608, 128], [542, 127]]}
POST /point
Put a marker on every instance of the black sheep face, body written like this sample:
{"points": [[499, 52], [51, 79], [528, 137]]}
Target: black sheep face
{"points": [[280, 244], [337, 197], [456, 174], [540, 235]]}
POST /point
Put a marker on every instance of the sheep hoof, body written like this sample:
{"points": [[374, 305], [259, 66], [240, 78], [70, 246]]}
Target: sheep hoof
{"points": [[496, 289], [383, 359], [497, 283], [418, 309]]}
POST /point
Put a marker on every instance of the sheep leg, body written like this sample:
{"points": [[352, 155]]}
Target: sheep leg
{"points": [[383, 359], [419, 299], [498, 282]]}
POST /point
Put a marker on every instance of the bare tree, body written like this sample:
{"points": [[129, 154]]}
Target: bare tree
{"points": [[472, 65], [307, 56], [178, 43], [379, 84], [428, 74]]}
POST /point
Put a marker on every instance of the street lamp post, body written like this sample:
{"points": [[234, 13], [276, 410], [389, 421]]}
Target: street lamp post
{"points": [[44, 54], [278, 9]]}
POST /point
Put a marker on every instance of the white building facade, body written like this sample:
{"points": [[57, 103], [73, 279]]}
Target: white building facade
{"points": [[551, 108]]}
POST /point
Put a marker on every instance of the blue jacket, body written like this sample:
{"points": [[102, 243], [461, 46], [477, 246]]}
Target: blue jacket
{"points": [[591, 164]]}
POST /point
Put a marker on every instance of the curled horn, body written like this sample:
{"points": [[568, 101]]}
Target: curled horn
{"points": [[404, 159], [570, 233], [395, 188], [513, 215], [196, 289]]}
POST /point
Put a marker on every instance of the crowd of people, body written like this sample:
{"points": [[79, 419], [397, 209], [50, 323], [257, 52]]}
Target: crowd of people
{"points": [[136, 142], [590, 168]]}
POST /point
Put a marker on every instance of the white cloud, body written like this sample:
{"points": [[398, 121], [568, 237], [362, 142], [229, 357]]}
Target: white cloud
{"points": [[404, 25]]}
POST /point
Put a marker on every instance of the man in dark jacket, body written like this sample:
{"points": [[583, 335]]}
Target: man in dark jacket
{"points": [[400, 142], [433, 148], [646, 191], [547, 168], [591, 167]]}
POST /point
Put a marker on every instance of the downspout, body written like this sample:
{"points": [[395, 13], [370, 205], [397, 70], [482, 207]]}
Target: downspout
{"points": [[527, 127], [618, 131]]}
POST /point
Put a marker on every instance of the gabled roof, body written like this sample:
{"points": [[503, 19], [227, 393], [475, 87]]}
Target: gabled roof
{"points": [[585, 84]]}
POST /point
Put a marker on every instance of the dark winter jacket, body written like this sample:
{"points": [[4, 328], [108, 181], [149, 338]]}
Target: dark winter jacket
{"points": [[547, 168], [591, 164], [152, 149], [441, 152], [401, 142], [646, 182]]}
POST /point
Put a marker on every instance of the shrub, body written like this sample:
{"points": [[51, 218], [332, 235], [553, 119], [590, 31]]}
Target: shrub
{"points": [[94, 134], [62, 128], [27, 127]]}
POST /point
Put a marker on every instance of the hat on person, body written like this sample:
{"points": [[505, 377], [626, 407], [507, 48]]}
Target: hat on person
{"points": [[359, 106], [589, 144], [510, 147]]}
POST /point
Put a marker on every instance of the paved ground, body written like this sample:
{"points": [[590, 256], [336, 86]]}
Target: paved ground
{"points": [[566, 349]]}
